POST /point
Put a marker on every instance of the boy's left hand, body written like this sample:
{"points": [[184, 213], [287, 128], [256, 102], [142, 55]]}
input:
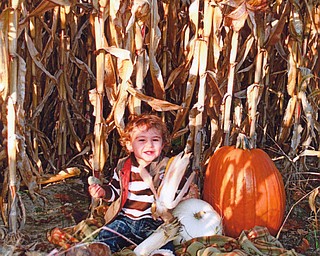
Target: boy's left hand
{"points": [[93, 180], [96, 191]]}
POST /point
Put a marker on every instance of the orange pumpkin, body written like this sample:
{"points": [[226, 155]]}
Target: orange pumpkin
{"points": [[246, 188]]}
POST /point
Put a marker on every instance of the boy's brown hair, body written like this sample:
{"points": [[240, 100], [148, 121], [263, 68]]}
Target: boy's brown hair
{"points": [[148, 120]]}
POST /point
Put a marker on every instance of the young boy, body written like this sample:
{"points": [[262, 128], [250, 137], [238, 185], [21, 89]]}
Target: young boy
{"points": [[130, 214]]}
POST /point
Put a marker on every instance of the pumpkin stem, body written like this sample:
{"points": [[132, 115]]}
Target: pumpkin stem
{"points": [[243, 142], [199, 215]]}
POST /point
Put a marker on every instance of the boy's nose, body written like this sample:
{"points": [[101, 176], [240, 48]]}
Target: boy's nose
{"points": [[150, 143]]}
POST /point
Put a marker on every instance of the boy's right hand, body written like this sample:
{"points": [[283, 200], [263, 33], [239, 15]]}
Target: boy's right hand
{"points": [[96, 191]]}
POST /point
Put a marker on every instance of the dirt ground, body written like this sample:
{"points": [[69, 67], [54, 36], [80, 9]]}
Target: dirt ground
{"points": [[60, 204], [67, 202]]}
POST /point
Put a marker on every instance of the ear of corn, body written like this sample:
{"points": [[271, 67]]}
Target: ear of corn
{"points": [[168, 189], [161, 236]]}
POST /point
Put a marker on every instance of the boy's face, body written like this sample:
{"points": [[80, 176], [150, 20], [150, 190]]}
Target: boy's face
{"points": [[145, 144]]}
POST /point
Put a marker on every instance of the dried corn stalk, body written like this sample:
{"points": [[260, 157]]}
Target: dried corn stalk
{"points": [[13, 17]]}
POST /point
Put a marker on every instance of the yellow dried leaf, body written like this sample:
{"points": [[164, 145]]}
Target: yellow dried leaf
{"points": [[256, 5], [237, 17], [4, 75], [45, 6], [312, 200], [114, 8], [125, 65], [296, 25], [156, 104], [120, 106], [35, 55], [287, 119], [276, 30]]}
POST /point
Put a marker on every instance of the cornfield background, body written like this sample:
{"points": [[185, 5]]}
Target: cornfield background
{"points": [[72, 73]]}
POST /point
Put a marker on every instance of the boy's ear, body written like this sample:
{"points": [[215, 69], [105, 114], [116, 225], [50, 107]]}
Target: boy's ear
{"points": [[129, 146]]}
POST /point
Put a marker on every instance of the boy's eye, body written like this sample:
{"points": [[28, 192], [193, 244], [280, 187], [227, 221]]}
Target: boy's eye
{"points": [[156, 139]]}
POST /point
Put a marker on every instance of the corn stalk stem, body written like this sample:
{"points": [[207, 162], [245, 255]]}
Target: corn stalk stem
{"points": [[140, 65], [256, 92], [198, 133], [266, 96], [257, 81], [165, 41], [88, 85], [100, 60], [203, 55], [198, 136], [156, 74], [62, 139], [35, 98], [228, 95], [11, 117]]}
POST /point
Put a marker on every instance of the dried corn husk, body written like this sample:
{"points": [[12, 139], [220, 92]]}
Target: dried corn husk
{"points": [[167, 192]]}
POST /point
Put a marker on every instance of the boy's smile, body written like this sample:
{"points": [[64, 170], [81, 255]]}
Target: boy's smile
{"points": [[145, 144]]}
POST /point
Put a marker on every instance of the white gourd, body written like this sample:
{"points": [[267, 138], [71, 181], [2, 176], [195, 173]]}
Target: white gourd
{"points": [[197, 219]]}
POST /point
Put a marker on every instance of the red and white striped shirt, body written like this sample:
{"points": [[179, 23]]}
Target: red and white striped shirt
{"points": [[140, 197]]}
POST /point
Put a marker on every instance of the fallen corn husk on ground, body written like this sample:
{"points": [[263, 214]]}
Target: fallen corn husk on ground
{"points": [[161, 236], [168, 195]]}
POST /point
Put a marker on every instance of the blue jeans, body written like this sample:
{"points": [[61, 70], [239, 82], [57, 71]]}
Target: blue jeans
{"points": [[135, 230]]}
